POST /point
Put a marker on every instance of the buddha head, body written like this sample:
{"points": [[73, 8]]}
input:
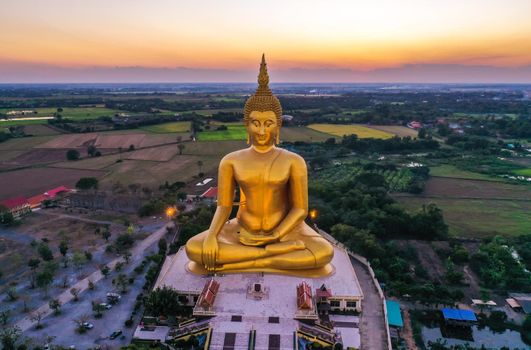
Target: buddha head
{"points": [[262, 112]]}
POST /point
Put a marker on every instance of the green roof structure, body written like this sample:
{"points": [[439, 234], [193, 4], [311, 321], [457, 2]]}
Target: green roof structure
{"points": [[394, 317]]}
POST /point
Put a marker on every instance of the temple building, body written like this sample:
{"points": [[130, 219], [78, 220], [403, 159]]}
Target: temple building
{"points": [[267, 309]]}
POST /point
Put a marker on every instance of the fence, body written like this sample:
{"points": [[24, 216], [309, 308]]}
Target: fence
{"points": [[367, 264]]}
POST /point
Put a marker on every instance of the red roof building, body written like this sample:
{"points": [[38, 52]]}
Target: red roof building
{"points": [[17, 206], [208, 295], [55, 191], [414, 125], [211, 193], [304, 296], [323, 292], [36, 201]]}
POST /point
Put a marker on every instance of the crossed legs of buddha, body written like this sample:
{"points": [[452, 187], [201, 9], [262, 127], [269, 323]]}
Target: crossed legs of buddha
{"points": [[296, 252]]}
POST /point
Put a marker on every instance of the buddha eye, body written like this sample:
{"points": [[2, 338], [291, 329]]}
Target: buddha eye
{"points": [[268, 123], [256, 123]]}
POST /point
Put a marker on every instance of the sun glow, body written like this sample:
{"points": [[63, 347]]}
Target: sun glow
{"points": [[295, 34]]}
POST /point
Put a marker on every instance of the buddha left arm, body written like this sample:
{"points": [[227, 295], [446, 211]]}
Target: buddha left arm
{"points": [[298, 186]]}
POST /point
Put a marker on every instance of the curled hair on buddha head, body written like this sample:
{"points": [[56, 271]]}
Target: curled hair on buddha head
{"points": [[263, 99]]}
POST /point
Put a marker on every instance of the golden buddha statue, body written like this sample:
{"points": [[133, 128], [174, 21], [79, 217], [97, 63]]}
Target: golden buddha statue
{"points": [[269, 233]]}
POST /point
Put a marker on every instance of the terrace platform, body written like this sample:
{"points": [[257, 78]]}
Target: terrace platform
{"points": [[271, 310]]}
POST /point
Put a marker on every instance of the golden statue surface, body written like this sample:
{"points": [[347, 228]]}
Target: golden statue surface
{"points": [[269, 233]]}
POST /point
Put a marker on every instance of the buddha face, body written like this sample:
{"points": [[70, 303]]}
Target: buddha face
{"points": [[262, 127]]}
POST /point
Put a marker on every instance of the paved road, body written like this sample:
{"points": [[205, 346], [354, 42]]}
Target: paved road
{"points": [[372, 322], [138, 252]]}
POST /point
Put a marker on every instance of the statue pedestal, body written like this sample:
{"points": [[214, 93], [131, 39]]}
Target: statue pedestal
{"points": [[264, 302]]}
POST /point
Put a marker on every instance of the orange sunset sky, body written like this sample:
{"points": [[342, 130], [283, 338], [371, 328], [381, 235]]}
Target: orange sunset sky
{"points": [[77, 40]]}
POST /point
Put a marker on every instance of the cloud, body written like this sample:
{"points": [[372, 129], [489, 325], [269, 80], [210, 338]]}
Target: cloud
{"points": [[15, 72]]}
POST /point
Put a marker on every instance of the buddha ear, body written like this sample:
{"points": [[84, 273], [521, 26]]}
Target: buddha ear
{"points": [[277, 137], [248, 139]]}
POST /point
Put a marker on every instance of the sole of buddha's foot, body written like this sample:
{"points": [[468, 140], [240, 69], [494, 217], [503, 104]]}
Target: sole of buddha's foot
{"points": [[284, 247]]}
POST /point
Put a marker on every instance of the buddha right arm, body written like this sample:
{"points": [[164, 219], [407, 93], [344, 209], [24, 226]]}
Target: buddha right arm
{"points": [[225, 197], [223, 210]]}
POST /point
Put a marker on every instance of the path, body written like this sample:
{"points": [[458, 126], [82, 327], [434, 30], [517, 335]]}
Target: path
{"points": [[73, 217], [65, 297], [372, 322], [407, 334]]}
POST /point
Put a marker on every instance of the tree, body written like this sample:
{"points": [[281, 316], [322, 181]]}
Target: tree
{"points": [[4, 317], [78, 259], [163, 246], [88, 255], [63, 249], [127, 257], [122, 283], [12, 294], [45, 252], [33, 264], [200, 165], [97, 308], [163, 301], [55, 305], [105, 270], [181, 148], [72, 154], [106, 234], [44, 279], [6, 217], [75, 293], [91, 150], [87, 183], [9, 337], [91, 285], [80, 322], [422, 133], [37, 316]]}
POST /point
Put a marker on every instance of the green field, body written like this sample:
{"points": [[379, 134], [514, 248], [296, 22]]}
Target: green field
{"points": [[447, 170], [398, 180], [167, 127], [75, 113], [6, 124], [479, 218], [523, 172], [233, 132]]}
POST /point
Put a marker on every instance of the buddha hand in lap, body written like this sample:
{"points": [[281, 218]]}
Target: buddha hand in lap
{"points": [[269, 233]]}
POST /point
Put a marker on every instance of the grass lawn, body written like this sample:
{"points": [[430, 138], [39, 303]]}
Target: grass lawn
{"points": [[233, 132], [447, 170], [363, 132], [7, 124], [479, 218], [523, 172], [167, 127]]}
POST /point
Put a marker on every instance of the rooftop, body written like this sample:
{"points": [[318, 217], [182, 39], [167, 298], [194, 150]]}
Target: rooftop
{"points": [[279, 299], [12, 203], [394, 317], [459, 315]]}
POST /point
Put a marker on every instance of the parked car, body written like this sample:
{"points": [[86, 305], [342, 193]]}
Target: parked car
{"points": [[106, 306], [87, 325], [113, 298], [115, 334]]}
